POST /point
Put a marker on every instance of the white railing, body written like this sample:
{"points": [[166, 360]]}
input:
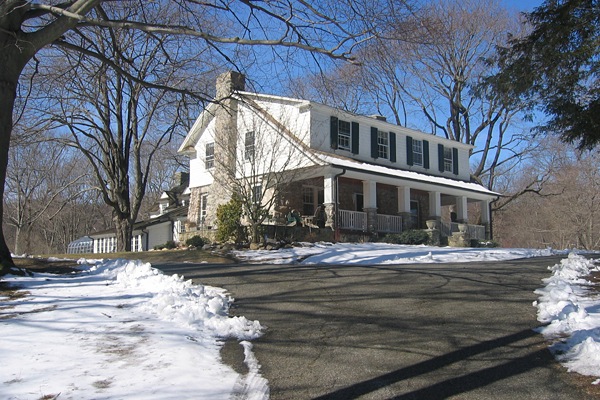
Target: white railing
{"points": [[389, 223], [355, 220], [473, 231]]}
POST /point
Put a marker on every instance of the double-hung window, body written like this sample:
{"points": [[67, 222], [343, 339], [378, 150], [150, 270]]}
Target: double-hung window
{"points": [[344, 135], [448, 160], [249, 146], [383, 144], [209, 159], [417, 148]]}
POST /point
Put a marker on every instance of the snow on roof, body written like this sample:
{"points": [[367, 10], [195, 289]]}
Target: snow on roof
{"points": [[403, 174]]}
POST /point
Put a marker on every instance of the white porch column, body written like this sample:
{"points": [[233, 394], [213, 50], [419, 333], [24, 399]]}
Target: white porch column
{"points": [[461, 209], [404, 207], [435, 205], [485, 211], [370, 204], [486, 218], [369, 194], [403, 199], [329, 187], [328, 200]]}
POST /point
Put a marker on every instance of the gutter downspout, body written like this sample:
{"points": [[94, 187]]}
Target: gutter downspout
{"points": [[336, 235]]}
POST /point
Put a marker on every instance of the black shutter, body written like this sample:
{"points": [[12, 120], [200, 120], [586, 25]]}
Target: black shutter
{"points": [[355, 130], [455, 160], [334, 132], [374, 147], [425, 154], [409, 151], [392, 147], [441, 157]]}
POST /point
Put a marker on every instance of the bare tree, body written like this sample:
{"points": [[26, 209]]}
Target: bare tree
{"points": [[40, 175], [563, 212], [27, 27]]}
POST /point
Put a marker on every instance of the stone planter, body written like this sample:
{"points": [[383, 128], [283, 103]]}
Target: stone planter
{"points": [[462, 228], [432, 224]]}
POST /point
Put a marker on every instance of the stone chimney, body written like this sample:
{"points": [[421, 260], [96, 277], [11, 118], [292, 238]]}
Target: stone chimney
{"points": [[228, 82]]}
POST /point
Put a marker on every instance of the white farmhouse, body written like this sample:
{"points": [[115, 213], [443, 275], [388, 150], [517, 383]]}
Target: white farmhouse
{"points": [[370, 176]]}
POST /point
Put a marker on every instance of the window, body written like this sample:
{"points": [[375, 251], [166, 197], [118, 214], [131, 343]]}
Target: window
{"points": [[308, 200], [209, 160], [382, 144], [249, 146], [203, 207], [344, 135], [448, 161], [257, 194], [417, 152]]}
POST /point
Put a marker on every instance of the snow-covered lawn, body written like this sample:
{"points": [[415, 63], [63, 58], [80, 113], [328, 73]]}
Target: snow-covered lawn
{"points": [[121, 329], [383, 253]]}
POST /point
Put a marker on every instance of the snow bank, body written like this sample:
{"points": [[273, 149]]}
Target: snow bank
{"points": [[121, 329], [572, 311]]}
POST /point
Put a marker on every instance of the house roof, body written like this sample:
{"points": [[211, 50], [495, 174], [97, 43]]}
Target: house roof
{"points": [[166, 217], [406, 175]]}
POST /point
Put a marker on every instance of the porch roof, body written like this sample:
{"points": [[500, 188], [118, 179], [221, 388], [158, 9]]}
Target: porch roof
{"points": [[414, 179]]}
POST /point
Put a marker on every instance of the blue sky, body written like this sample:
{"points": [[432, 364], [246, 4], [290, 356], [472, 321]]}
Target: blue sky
{"points": [[522, 5]]}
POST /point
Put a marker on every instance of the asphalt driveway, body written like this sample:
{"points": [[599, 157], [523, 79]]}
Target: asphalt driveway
{"points": [[426, 331]]}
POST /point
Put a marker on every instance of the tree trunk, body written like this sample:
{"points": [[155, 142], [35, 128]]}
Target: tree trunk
{"points": [[124, 229], [7, 102]]}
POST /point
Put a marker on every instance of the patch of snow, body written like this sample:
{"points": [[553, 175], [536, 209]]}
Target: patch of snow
{"points": [[572, 311]]}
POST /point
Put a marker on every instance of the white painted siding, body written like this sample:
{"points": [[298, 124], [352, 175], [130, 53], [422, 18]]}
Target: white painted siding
{"points": [[199, 176], [320, 140]]}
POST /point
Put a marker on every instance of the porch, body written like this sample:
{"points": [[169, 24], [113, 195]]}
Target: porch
{"points": [[364, 203]]}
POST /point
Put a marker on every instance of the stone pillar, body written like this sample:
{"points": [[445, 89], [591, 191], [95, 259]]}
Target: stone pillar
{"points": [[461, 210], [370, 204], [404, 207], [330, 215]]}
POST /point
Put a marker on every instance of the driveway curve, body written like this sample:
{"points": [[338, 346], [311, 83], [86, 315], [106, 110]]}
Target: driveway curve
{"points": [[423, 331]]}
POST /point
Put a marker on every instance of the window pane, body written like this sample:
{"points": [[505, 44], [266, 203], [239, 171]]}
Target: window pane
{"points": [[249, 146], [209, 160], [447, 159], [382, 144], [418, 152], [344, 141]]}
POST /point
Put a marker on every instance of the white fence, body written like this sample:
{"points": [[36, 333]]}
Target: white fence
{"points": [[389, 223], [354, 220]]}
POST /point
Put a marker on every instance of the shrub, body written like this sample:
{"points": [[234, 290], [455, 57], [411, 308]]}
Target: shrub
{"points": [[229, 225], [414, 236], [170, 245], [196, 241]]}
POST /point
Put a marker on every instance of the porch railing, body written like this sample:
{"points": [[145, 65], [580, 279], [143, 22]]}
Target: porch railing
{"points": [[389, 223], [354, 220], [473, 231]]}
